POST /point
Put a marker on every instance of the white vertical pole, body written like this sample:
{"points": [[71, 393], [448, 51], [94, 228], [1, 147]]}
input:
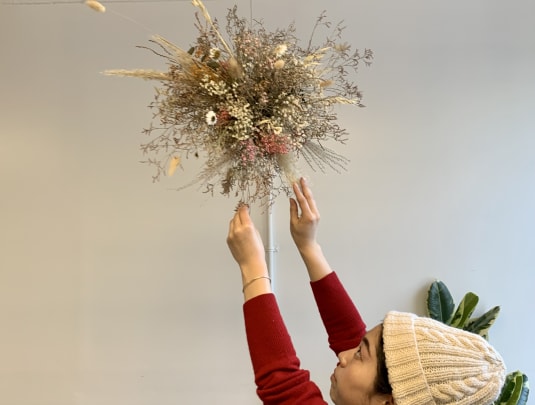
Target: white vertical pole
{"points": [[271, 248]]}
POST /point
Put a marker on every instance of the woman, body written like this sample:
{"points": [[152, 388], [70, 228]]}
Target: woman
{"points": [[406, 360]]}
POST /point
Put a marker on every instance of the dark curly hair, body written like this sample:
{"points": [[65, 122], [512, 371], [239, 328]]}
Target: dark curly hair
{"points": [[381, 384]]}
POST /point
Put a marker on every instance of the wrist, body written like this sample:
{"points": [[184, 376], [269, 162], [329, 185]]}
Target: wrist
{"points": [[312, 249], [315, 262], [253, 270], [256, 286], [251, 281]]}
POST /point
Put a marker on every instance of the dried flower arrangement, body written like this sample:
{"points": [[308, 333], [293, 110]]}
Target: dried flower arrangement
{"points": [[252, 106]]}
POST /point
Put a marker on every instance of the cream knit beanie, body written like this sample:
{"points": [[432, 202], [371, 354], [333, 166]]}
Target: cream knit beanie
{"points": [[429, 362]]}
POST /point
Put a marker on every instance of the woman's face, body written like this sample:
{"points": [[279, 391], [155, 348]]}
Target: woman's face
{"points": [[352, 382]]}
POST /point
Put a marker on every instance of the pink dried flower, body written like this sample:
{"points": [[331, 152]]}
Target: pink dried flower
{"points": [[274, 144], [249, 151], [223, 117]]}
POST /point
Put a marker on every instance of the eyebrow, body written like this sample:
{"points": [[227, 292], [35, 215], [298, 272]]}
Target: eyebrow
{"points": [[366, 343]]}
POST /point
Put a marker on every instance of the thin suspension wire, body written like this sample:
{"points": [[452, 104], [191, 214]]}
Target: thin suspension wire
{"points": [[55, 2], [251, 13]]}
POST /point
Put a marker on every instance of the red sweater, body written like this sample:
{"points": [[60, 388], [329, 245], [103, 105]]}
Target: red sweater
{"points": [[278, 376]]}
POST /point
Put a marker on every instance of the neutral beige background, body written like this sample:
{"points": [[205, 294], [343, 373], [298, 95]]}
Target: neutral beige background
{"points": [[114, 290]]}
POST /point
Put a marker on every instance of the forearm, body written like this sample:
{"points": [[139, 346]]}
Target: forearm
{"points": [[341, 318], [315, 261], [278, 375], [246, 246]]}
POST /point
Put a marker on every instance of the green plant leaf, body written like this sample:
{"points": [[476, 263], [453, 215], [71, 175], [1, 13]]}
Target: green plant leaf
{"points": [[440, 303], [515, 390], [482, 324], [464, 310], [507, 389], [518, 378]]}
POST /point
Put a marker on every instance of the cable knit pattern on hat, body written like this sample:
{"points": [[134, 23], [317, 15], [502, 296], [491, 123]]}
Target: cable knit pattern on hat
{"points": [[429, 362]]}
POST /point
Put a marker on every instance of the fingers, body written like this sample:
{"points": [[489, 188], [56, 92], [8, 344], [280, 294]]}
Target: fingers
{"points": [[294, 214], [240, 222], [300, 197], [242, 214], [304, 197], [307, 192], [237, 220]]}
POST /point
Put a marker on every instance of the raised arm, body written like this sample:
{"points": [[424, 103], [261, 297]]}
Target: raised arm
{"points": [[304, 220], [246, 246], [340, 317], [278, 375]]}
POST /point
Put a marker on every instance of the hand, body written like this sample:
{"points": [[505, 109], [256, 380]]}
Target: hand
{"points": [[303, 227], [246, 245]]}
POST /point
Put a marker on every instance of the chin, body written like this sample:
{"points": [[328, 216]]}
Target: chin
{"points": [[332, 395]]}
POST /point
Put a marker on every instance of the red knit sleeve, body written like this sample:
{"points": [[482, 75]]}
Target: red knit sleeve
{"points": [[341, 318], [278, 376]]}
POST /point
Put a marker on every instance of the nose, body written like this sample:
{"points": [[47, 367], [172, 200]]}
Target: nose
{"points": [[342, 361]]}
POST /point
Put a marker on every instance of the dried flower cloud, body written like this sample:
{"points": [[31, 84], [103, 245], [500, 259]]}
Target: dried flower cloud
{"points": [[252, 106]]}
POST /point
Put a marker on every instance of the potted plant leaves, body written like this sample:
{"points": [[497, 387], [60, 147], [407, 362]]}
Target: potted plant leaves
{"points": [[441, 307]]}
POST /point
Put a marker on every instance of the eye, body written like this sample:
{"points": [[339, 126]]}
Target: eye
{"points": [[358, 353]]}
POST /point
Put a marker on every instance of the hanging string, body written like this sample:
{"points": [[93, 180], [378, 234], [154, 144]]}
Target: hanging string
{"points": [[94, 5], [53, 2]]}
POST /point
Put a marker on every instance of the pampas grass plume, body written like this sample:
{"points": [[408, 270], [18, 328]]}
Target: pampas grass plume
{"points": [[95, 5]]}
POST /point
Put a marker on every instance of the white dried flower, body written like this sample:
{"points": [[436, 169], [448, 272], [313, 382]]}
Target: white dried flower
{"points": [[242, 124], [280, 50], [343, 47], [278, 64], [211, 118], [214, 53]]}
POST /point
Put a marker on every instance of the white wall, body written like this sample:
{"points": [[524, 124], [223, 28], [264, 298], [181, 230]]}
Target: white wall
{"points": [[114, 290]]}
